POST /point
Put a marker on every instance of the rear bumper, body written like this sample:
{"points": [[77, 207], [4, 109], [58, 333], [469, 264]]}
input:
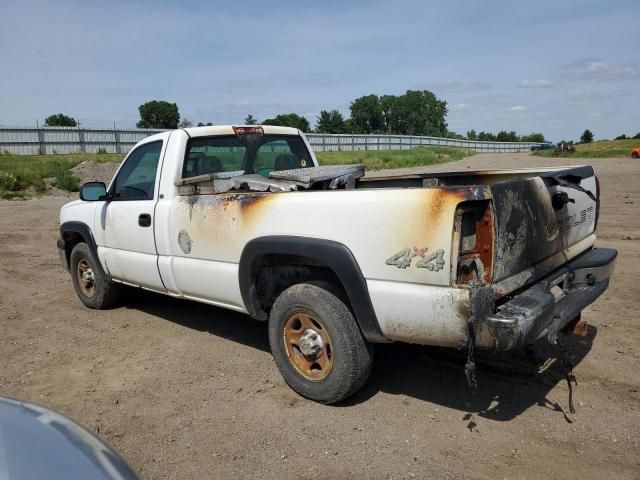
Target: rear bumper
{"points": [[546, 307]]}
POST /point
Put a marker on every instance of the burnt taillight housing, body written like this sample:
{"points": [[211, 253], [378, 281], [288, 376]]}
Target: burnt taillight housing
{"points": [[474, 240]]}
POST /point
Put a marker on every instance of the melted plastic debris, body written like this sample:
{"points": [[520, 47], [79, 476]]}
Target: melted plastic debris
{"points": [[280, 181], [305, 177]]}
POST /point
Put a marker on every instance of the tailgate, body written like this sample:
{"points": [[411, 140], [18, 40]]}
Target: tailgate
{"points": [[539, 217]]}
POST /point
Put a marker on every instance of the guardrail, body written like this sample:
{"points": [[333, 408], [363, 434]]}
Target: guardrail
{"points": [[44, 140], [324, 142]]}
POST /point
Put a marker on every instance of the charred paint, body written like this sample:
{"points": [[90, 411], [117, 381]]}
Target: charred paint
{"points": [[245, 201], [525, 232], [475, 262]]}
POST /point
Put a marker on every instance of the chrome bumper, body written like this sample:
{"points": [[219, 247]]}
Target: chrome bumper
{"points": [[547, 306]]}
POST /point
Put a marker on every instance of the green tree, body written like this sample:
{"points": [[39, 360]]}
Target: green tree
{"points": [[289, 120], [250, 120], [417, 112], [158, 114], [486, 137], [366, 115], [60, 120], [185, 123], [349, 127], [454, 135], [586, 137], [472, 135], [621, 137], [330, 122], [636, 136], [533, 137], [504, 136]]}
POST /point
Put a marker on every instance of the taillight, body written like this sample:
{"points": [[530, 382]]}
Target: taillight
{"points": [[248, 130], [474, 235]]}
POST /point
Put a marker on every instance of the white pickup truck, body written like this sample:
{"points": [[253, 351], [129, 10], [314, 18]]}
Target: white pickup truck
{"points": [[243, 217]]}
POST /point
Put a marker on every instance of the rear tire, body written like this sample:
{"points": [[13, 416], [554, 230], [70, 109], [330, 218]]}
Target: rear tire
{"points": [[89, 280], [317, 344], [635, 155]]}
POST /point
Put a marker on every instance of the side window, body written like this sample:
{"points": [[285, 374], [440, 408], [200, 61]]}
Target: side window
{"points": [[137, 177], [279, 155]]}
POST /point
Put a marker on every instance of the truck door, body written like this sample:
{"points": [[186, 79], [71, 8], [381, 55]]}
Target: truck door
{"points": [[126, 222]]}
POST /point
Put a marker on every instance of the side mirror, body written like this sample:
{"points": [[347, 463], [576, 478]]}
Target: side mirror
{"points": [[93, 191]]}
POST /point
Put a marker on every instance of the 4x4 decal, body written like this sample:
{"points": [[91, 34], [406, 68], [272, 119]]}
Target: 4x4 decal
{"points": [[434, 261]]}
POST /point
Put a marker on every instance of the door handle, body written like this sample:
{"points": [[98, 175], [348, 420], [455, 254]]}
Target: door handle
{"points": [[144, 220]]}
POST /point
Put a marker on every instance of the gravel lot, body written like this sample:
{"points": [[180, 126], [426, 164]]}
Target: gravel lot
{"points": [[186, 391]]}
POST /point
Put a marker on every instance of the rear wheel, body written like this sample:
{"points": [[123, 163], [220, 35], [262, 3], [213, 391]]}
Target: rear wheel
{"points": [[89, 280], [317, 344], [635, 155]]}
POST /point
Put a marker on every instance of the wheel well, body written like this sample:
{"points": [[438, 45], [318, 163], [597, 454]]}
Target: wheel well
{"points": [[273, 263], [274, 273], [71, 239]]}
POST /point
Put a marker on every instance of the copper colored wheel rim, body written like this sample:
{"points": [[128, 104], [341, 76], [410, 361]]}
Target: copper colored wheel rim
{"points": [[86, 278], [308, 346]]}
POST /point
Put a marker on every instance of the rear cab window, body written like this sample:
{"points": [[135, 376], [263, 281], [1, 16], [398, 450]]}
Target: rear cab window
{"points": [[253, 154]]}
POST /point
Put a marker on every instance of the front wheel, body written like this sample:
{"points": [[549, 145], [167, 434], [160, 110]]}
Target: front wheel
{"points": [[317, 344], [89, 280]]}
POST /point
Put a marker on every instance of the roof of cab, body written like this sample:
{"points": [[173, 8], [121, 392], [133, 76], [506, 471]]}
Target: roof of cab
{"points": [[228, 130]]}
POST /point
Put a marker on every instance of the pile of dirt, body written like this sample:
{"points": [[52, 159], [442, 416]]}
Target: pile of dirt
{"points": [[91, 171]]}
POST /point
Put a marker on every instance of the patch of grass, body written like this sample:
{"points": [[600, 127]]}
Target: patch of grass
{"points": [[31, 170], [384, 159], [601, 149], [67, 181], [10, 195]]}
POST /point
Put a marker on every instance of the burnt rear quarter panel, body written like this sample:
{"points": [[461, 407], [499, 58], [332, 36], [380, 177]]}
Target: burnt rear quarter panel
{"points": [[373, 224]]}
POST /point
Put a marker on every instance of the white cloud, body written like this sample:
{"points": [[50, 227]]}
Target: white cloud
{"points": [[593, 69], [537, 83], [517, 108], [460, 106], [597, 67]]}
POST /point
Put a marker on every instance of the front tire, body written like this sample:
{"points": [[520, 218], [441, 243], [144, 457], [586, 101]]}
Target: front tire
{"points": [[317, 344], [89, 280]]}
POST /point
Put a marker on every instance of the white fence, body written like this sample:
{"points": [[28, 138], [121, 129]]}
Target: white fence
{"points": [[323, 142], [30, 141]]}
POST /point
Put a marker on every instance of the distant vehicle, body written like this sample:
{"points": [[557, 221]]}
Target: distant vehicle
{"points": [[635, 153], [542, 146], [40, 443], [566, 147]]}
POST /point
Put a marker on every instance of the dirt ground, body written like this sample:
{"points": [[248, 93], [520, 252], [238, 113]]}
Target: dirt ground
{"points": [[188, 391]]}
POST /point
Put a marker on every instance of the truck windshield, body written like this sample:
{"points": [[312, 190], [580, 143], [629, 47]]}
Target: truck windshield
{"points": [[261, 154]]}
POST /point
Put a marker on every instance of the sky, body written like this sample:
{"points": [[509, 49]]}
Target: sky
{"points": [[551, 66]]}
